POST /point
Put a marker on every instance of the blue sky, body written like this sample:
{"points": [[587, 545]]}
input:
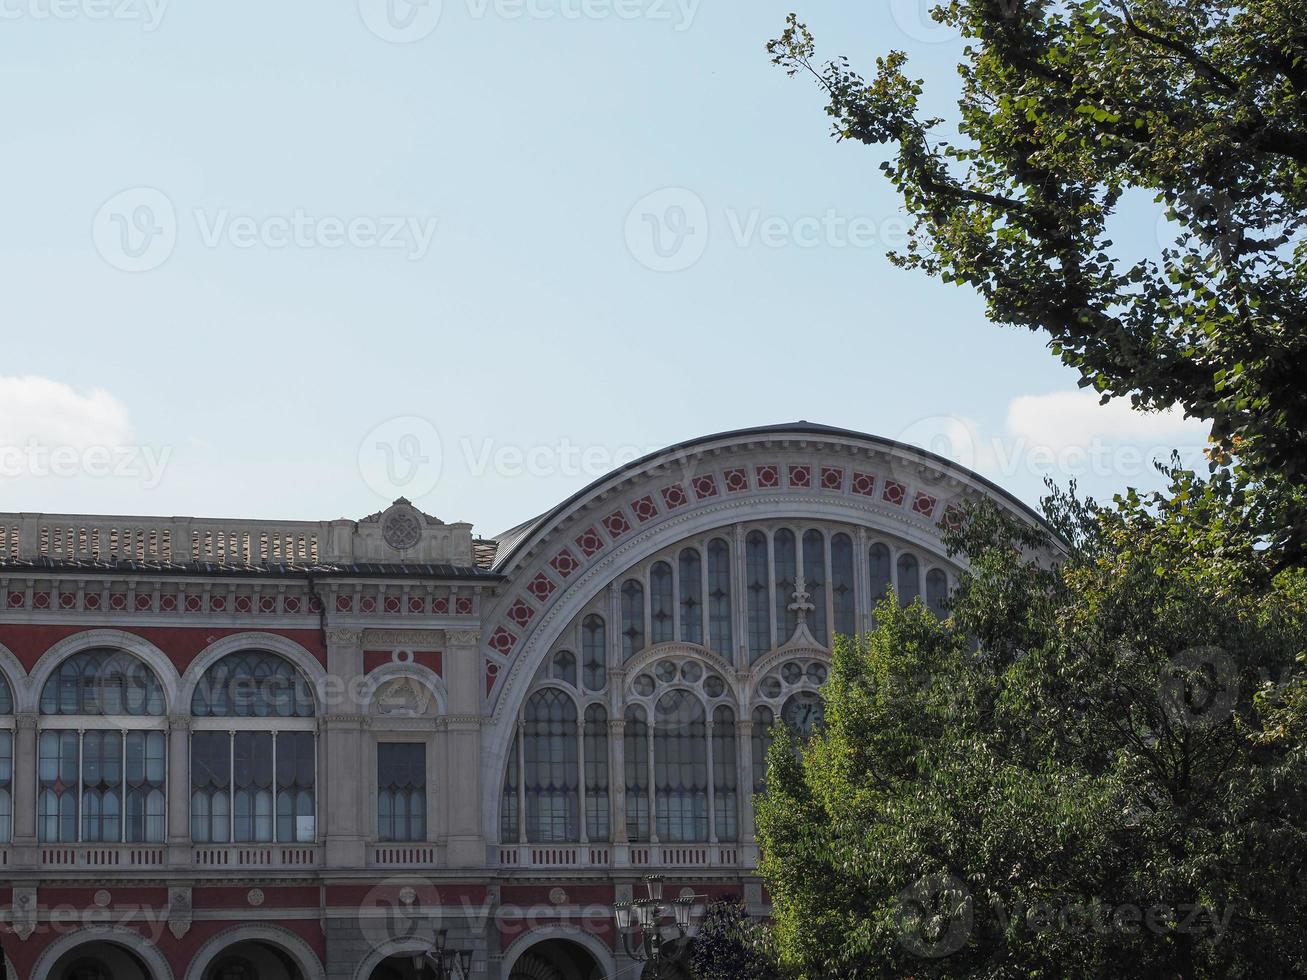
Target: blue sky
{"points": [[246, 247]]}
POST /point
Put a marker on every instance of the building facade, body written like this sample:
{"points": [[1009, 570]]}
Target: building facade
{"points": [[254, 750]]}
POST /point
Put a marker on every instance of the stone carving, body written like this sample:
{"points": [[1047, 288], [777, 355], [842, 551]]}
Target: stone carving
{"points": [[179, 911], [401, 525], [24, 914], [254, 896], [404, 696]]}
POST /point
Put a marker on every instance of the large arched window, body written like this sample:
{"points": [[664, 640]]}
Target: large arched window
{"points": [[6, 762], [937, 592], [763, 720], [594, 653], [661, 618], [814, 580], [552, 780], [881, 574], [843, 594], [636, 756], [726, 776], [719, 599], [758, 590], [101, 765], [681, 768], [786, 559], [632, 618], [509, 812], [253, 783], [909, 578], [690, 571], [595, 748]]}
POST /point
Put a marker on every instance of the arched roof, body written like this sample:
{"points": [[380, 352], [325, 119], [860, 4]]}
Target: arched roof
{"points": [[512, 542]]}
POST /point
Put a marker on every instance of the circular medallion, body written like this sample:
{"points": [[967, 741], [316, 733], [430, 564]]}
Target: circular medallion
{"points": [[254, 896], [102, 898], [558, 896], [400, 527], [408, 895]]}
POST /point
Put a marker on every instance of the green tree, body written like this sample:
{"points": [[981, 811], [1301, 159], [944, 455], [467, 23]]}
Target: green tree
{"points": [[731, 945], [1091, 768], [1068, 111]]}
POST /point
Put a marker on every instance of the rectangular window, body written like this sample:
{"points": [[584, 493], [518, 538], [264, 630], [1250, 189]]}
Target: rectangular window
{"points": [[101, 786], [253, 787], [402, 791]]}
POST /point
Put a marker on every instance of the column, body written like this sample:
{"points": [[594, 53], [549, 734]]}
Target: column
{"points": [[24, 789], [744, 752], [466, 841], [179, 791], [341, 772]]}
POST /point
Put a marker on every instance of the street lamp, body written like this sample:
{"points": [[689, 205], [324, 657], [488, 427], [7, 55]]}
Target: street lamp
{"points": [[646, 916], [447, 964]]}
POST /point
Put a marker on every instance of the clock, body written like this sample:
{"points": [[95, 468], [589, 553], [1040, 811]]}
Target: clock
{"points": [[803, 713]]}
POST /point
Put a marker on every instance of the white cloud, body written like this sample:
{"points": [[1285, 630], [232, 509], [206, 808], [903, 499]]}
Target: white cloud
{"points": [[1069, 419], [51, 413]]}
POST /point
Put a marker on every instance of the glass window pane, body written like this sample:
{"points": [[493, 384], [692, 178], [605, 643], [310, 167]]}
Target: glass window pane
{"points": [[719, 599], [594, 652], [632, 619], [401, 782], [690, 571], [660, 603], [843, 595], [758, 591], [549, 736]]}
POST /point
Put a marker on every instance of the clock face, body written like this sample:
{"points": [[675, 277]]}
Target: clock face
{"points": [[803, 714]]}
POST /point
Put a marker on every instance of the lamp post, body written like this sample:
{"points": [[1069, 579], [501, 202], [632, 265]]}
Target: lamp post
{"points": [[646, 916], [444, 963]]}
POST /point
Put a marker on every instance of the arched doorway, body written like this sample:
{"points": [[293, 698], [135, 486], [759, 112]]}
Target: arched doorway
{"points": [[100, 961], [253, 960], [556, 959], [398, 967]]}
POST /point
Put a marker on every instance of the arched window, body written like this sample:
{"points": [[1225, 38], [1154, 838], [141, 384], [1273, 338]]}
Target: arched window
{"points": [[552, 782], [787, 619], [564, 667], [253, 785], [101, 781], [755, 556], [509, 814], [681, 768], [843, 594], [937, 592], [632, 619], [401, 791], [909, 578], [719, 599], [726, 776], [661, 619], [594, 653], [596, 772], [6, 762], [690, 567], [252, 684], [763, 720], [814, 580], [102, 682], [636, 755], [881, 576]]}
